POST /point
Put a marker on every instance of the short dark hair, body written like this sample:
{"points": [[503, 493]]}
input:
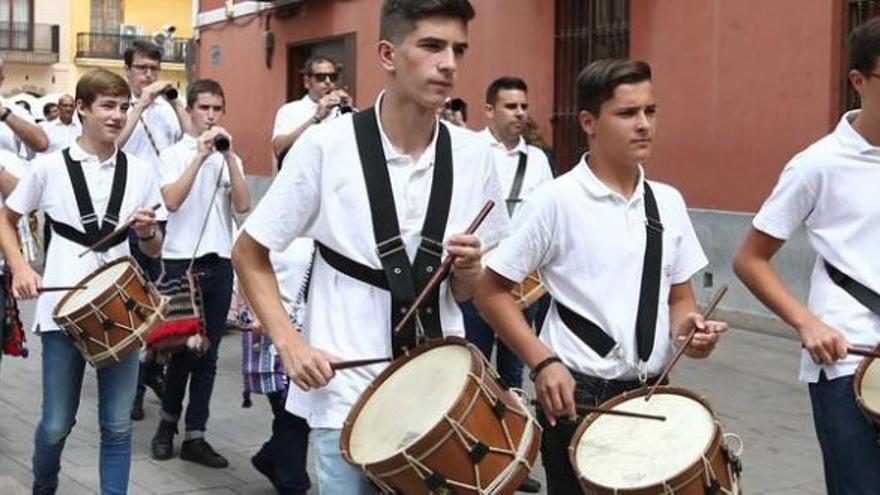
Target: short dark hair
{"points": [[144, 49], [317, 59], [597, 81], [458, 105], [399, 17], [864, 46], [100, 82], [506, 82], [48, 107], [203, 86]]}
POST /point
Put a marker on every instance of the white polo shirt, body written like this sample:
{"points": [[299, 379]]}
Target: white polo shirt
{"points": [[13, 164], [293, 114], [164, 127], [8, 140], [184, 225], [507, 161], [60, 135], [830, 189], [320, 193], [46, 186], [589, 243]]}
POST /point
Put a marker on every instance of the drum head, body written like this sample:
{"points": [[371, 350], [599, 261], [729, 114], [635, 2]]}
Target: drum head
{"points": [[97, 283], [629, 453], [870, 387], [409, 403]]}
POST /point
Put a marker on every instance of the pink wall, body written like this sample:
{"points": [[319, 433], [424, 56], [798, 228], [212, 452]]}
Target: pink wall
{"points": [[741, 87], [507, 37]]}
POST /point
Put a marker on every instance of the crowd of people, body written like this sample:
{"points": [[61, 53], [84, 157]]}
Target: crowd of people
{"points": [[366, 204]]}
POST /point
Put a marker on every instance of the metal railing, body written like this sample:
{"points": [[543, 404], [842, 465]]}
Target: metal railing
{"points": [[29, 43], [113, 46]]}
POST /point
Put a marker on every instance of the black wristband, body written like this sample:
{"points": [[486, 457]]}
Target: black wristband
{"points": [[5, 114], [543, 364]]}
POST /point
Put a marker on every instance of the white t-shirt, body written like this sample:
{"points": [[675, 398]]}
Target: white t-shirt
{"points": [[320, 193], [60, 135], [589, 244], [185, 224], [13, 164], [294, 114], [507, 161], [164, 128], [46, 186], [8, 140], [830, 189]]}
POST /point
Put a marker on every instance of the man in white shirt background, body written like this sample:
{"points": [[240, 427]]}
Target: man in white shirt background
{"points": [[50, 111], [64, 129]]}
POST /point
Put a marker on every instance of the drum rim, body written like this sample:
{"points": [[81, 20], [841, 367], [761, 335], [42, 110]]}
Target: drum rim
{"points": [[347, 427], [589, 419], [858, 378], [84, 281]]}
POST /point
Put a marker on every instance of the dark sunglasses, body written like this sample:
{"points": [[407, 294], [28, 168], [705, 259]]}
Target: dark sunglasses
{"points": [[325, 76]]}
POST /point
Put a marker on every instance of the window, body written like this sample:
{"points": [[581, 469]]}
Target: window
{"points": [[586, 30], [340, 48], [106, 16], [857, 12], [16, 24]]}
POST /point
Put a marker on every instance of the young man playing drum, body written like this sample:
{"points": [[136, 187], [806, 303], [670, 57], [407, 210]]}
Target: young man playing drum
{"points": [[399, 149], [609, 330], [202, 184], [84, 190], [828, 190]]}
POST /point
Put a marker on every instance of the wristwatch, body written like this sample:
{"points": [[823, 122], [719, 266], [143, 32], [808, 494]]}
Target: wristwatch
{"points": [[315, 119]]}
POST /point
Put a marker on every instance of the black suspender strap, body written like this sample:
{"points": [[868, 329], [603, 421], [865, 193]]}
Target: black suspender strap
{"points": [[405, 279], [81, 191], [649, 294], [516, 187], [353, 269], [859, 292]]}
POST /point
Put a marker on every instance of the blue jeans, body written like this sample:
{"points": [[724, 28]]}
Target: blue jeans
{"points": [[335, 476], [63, 368], [185, 366], [850, 453], [479, 333]]}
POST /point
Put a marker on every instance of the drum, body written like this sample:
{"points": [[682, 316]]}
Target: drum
{"points": [[111, 317], [866, 383], [683, 455], [529, 291], [437, 421]]}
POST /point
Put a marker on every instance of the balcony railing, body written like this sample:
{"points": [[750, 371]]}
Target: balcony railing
{"points": [[113, 46], [28, 43]]}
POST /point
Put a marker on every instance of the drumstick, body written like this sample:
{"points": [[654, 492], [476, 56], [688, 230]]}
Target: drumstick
{"points": [[583, 408], [713, 303], [344, 365], [60, 288], [442, 270], [113, 235], [863, 352]]}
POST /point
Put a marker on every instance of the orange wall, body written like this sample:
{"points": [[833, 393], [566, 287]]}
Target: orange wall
{"points": [[741, 87], [507, 37]]}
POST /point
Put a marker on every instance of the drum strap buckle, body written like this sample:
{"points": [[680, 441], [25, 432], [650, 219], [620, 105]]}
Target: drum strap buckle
{"points": [[643, 372], [389, 246]]}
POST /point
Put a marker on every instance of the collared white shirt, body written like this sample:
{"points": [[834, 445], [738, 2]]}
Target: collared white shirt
{"points": [[60, 135], [320, 193], [589, 244], [830, 189], [13, 164], [507, 161], [185, 224], [8, 140], [294, 114], [161, 119], [46, 186]]}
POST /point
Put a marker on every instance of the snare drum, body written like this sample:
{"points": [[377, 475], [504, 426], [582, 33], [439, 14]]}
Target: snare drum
{"points": [[683, 455], [866, 383], [437, 421], [111, 317], [529, 291]]}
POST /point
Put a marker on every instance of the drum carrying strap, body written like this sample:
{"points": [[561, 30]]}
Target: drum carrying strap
{"points": [[859, 292], [649, 294], [516, 187], [402, 278], [92, 231]]}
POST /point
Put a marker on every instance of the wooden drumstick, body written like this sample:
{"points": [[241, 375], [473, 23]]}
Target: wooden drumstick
{"points": [[442, 270], [863, 352], [344, 365], [113, 235], [60, 288], [713, 303], [583, 408]]}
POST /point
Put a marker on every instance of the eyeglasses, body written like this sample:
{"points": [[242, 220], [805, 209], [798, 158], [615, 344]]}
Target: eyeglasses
{"points": [[145, 67], [325, 76]]}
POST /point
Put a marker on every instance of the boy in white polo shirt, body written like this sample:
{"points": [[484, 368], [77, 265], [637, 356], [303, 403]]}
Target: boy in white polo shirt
{"points": [[85, 191], [829, 189], [593, 233], [202, 183], [403, 156]]}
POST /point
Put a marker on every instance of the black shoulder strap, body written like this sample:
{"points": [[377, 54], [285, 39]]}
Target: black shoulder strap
{"points": [[649, 294], [386, 230], [859, 292], [117, 191], [516, 187], [81, 192]]}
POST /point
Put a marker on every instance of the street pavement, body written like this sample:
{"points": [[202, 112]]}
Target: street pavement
{"points": [[750, 380]]}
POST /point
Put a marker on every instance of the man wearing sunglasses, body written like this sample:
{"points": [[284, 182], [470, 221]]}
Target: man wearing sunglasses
{"points": [[323, 101]]}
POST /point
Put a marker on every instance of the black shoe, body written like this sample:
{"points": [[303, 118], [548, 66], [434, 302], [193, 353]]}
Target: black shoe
{"points": [[530, 485], [263, 464], [199, 451], [137, 410], [162, 446]]}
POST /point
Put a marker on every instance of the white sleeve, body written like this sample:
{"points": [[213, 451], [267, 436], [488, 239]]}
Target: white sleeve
{"points": [[528, 246], [788, 206], [689, 256], [280, 118], [170, 168], [496, 225], [28, 194]]}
